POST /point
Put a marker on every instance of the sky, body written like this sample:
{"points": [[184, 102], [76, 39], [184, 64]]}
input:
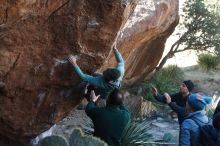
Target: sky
{"points": [[183, 59]]}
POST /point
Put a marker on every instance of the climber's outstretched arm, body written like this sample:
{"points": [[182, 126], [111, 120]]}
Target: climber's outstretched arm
{"points": [[120, 61], [92, 80]]}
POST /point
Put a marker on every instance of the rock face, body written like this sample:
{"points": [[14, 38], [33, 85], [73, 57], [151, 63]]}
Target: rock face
{"points": [[37, 86], [143, 37]]}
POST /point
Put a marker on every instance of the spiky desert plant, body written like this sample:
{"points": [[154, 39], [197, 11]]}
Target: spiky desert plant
{"points": [[208, 61], [54, 140], [77, 138], [87, 126], [165, 80], [136, 134]]}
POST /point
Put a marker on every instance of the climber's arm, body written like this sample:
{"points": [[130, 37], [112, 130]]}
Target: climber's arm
{"points": [[120, 61], [85, 77]]}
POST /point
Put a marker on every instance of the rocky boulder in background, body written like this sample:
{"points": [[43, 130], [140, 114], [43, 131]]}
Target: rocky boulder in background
{"points": [[143, 37], [37, 86]]}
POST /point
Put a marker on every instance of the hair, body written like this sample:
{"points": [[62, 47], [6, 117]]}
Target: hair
{"points": [[189, 84], [111, 74], [115, 98], [89, 89]]}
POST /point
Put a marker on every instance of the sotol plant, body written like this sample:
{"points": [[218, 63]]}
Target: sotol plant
{"points": [[165, 80], [136, 134], [208, 61]]}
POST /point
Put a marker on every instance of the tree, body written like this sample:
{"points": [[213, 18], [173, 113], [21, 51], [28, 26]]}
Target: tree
{"points": [[202, 29]]}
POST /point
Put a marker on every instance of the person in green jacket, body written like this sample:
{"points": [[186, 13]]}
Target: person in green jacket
{"points": [[110, 121], [106, 82]]}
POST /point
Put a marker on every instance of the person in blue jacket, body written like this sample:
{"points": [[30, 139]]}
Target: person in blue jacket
{"points": [[216, 117], [110, 121], [178, 100], [190, 128], [210, 135], [108, 80]]}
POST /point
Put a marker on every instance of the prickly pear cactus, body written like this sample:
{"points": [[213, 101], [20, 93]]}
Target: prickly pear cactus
{"points": [[167, 137], [54, 141], [77, 138]]}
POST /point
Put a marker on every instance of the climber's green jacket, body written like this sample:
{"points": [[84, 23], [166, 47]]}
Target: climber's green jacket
{"points": [[104, 87], [109, 122]]}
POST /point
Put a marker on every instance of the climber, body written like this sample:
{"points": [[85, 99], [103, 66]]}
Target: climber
{"points": [[106, 82], [110, 121], [178, 100], [196, 118]]}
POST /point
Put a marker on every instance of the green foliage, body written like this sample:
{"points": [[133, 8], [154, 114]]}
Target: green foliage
{"points": [[77, 138], [199, 29], [136, 134], [208, 61], [168, 79], [165, 80], [54, 141], [202, 26]]}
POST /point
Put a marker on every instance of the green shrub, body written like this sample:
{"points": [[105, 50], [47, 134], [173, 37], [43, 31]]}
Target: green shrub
{"points": [[208, 61], [166, 80]]}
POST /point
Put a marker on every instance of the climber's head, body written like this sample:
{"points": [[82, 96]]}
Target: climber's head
{"points": [[186, 86], [111, 74], [115, 98]]}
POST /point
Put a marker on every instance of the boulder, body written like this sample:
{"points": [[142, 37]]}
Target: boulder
{"points": [[35, 39], [38, 87], [143, 37]]}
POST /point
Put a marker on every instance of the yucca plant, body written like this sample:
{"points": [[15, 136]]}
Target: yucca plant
{"points": [[208, 61], [87, 126], [166, 80], [136, 134]]}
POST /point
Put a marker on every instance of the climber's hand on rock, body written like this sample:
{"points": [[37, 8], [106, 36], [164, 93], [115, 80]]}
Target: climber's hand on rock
{"points": [[114, 46], [72, 59], [168, 98], [93, 96]]}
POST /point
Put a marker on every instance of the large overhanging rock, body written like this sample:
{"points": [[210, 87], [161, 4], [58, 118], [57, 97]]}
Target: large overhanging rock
{"points": [[37, 85], [143, 37]]}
